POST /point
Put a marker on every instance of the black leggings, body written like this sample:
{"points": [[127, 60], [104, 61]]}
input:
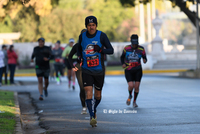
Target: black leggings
{"points": [[58, 68], [80, 82], [12, 72]]}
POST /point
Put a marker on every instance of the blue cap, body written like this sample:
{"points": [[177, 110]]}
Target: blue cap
{"points": [[58, 42], [41, 39]]}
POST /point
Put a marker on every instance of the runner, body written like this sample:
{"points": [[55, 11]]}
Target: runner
{"points": [[78, 76], [42, 54], [70, 72], [130, 60], [58, 62], [91, 51]]}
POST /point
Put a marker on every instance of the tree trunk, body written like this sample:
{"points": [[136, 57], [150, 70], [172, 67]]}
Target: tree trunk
{"points": [[191, 15]]}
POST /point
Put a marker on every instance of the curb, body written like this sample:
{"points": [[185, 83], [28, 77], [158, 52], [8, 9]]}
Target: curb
{"points": [[118, 72], [18, 128]]}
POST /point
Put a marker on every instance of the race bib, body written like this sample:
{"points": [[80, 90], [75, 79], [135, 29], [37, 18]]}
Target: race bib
{"points": [[133, 64], [93, 61]]}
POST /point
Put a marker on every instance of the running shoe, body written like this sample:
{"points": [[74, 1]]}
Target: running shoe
{"points": [[134, 104], [73, 87], [128, 102], [84, 110], [45, 92], [93, 122], [41, 97]]}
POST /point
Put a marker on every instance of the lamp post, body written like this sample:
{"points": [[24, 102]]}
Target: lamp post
{"points": [[197, 26]]}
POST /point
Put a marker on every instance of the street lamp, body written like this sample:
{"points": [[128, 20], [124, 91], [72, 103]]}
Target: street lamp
{"points": [[197, 26]]}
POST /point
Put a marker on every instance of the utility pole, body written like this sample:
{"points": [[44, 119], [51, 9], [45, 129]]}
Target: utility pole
{"points": [[153, 16], [142, 27], [149, 22], [197, 26]]}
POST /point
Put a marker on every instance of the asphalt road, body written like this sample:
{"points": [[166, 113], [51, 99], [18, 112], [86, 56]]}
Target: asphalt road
{"points": [[167, 104]]}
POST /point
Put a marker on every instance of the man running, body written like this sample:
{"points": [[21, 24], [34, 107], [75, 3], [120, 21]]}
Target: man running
{"points": [[130, 60], [70, 72], [91, 50], [58, 61], [78, 76], [42, 54]]}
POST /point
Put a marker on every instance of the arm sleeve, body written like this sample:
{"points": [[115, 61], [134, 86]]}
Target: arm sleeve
{"points": [[72, 52], [79, 48], [144, 55], [33, 54], [123, 56], [106, 43], [15, 55]]}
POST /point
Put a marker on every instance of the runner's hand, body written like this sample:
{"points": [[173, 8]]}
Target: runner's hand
{"points": [[46, 59], [124, 65], [144, 61], [97, 48], [75, 69], [31, 60]]}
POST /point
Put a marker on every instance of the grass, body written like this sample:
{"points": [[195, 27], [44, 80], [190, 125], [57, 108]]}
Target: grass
{"points": [[8, 82], [112, 68], [32, 70], [7, 119]]}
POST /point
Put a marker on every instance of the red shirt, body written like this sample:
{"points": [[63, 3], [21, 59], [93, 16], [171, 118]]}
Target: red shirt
{"points": [[12, 57]]}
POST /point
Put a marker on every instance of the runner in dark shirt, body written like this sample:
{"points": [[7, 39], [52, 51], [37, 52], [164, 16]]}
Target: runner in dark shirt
{"points": [[42, 55], [78, 75], [130, 59]]}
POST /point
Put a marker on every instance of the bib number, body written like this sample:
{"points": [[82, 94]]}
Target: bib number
{"points": [[133, 64], [93, 61]]}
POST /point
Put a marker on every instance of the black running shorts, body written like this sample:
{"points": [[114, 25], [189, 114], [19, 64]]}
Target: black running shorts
{"points": [[90, 80], [133, 75], [66, 61], [42, 72], [67, 64]]}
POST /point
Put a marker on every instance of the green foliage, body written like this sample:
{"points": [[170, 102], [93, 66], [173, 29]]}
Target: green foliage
{"points": [[7, 119], [6, 25], [62, 25], [26, 22], [110, 15]]}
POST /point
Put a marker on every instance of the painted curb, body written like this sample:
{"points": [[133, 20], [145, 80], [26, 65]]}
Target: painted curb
{"points": [[118, 72]]}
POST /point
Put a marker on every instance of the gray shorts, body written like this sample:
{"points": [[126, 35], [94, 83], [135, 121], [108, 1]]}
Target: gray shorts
{"points": [[42, 72]]}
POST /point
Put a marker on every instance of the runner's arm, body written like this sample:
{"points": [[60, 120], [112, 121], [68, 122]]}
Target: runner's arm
{"points": [[33, 55], [144, 56], [72, 52], [79, 48], [64, 53], [123, 56], [106, 43]]}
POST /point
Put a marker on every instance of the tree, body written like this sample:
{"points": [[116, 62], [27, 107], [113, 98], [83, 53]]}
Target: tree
{"points": [[182, 4]]}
